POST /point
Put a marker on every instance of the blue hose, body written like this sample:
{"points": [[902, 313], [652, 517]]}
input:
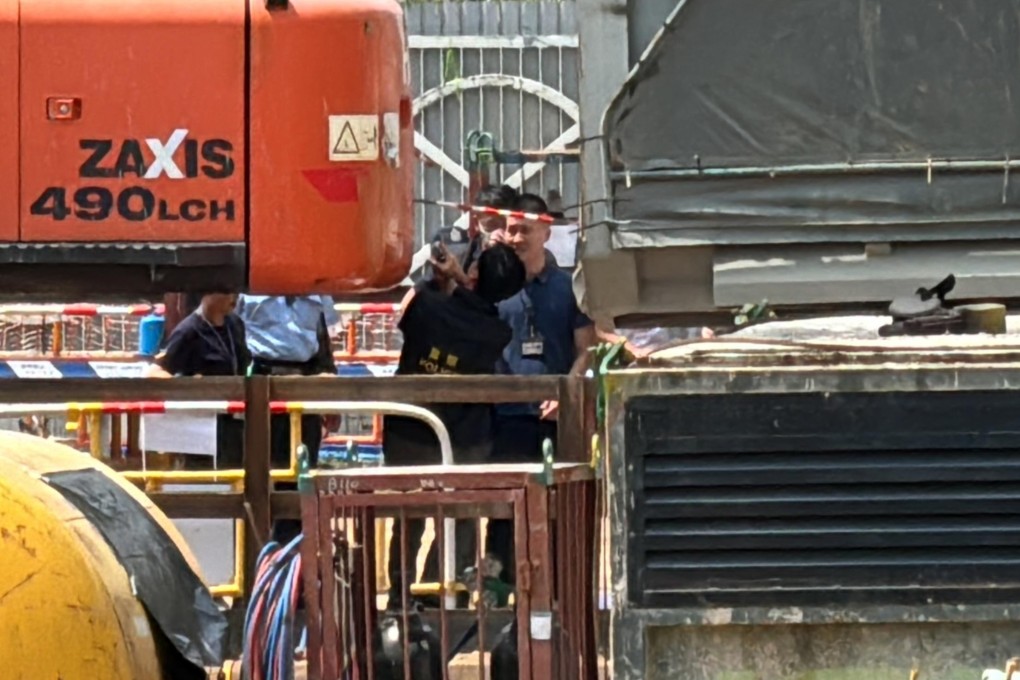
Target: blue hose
{"points": [[268, 647]]}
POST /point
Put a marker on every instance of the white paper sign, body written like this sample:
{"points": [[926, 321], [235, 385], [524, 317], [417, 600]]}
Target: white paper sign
{"points": [[353, 138], [541, 626], [119, 369], [563, 244], [34, 369], [180, 433]]}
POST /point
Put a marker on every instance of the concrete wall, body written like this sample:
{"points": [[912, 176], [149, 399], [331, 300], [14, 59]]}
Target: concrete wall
{"points": [[941, 651], [607, 280]]}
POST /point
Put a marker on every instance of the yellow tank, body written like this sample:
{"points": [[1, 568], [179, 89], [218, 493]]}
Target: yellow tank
{"points": [[68, 608]]}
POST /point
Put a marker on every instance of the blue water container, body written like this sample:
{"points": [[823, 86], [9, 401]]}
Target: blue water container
{"points": [[150, 333]]}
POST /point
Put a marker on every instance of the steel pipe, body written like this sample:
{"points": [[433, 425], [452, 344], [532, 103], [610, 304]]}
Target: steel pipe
{"points": [[290, 474], [446, 453], [927, 166]]}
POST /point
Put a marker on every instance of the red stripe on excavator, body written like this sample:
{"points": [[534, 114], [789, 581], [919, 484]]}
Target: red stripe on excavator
{"points": [[336, 185]]}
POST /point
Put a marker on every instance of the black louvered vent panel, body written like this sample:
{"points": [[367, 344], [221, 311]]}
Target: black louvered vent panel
{"points": [[783, 500]]}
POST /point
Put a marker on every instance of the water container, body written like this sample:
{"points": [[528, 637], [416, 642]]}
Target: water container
{"points": [[150, 333]]}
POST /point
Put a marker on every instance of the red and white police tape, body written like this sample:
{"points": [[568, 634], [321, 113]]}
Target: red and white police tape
{"points": [[492, 211], [149, 407], [80, 309], [91, 310]]}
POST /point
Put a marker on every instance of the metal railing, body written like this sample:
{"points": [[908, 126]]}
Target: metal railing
{"points": [[251, 500], [549, 597], [110, 332], [155, 480]]}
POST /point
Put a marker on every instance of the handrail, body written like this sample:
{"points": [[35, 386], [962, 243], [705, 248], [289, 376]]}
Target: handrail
{"points": [[55, 315], [431, 389], [162, 407], [280, 395], [90, 309], [81, 309], [367, 307]]}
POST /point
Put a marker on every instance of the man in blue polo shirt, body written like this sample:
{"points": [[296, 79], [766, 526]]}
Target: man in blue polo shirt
{"points": [[551, 336]]}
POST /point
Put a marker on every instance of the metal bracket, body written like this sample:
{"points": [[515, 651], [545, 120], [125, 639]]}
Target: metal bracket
{"points": [[481, 148]]}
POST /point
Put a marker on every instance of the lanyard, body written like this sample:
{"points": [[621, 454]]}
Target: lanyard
{"points": [[232, 350], [529, 313]]}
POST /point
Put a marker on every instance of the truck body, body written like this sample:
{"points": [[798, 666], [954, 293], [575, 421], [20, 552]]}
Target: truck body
{"points": [[804, 498], [156, 146], [823, 155]]}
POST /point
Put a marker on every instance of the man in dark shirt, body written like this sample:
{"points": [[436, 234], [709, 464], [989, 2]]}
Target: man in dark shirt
{"points": [[450, 332], [551, 336], [210, 342]]}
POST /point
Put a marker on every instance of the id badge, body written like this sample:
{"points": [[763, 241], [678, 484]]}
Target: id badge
{"points": [[532, 346]]}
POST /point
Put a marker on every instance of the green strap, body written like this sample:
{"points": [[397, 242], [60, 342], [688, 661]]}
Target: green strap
{"points": [[606, 357], [304, 479], [547, 462]]}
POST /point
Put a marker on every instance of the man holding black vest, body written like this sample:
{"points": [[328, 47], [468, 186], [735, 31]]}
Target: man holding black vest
{"points": [[452, 331]]}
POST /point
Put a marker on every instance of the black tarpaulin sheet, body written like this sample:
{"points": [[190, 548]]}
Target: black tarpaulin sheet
{"points": [[170, 591], [767, 83]]}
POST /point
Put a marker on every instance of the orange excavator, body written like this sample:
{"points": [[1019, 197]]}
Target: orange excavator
{"points": [[159, 146], [152, 146]]}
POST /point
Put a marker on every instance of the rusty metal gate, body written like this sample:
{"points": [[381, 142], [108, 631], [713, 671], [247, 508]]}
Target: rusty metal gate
{"points": [[553, 612]]}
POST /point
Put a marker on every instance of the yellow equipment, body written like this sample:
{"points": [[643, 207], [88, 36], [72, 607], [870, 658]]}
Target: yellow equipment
{"points": [[68, 606]]}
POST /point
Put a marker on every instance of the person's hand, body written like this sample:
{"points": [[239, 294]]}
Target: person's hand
{"points": [[498, 236], [707, 333], [450, 267], [154, 371], [634, 353], [549, 410]]}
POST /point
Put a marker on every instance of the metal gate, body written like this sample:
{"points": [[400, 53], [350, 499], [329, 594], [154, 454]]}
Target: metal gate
{"points": [[509, 68]]}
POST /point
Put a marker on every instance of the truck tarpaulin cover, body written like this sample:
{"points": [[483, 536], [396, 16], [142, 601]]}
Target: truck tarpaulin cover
{"points": [[170, 591], [783, 84]]}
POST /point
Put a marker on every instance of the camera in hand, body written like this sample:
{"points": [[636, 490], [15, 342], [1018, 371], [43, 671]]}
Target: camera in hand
{"points": [[437, 253]]}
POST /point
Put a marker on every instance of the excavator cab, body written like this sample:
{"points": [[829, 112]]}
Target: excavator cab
{"points": [[151, 146]]}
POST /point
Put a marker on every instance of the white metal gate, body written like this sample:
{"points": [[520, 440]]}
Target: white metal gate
{"points": [[508, 68]]}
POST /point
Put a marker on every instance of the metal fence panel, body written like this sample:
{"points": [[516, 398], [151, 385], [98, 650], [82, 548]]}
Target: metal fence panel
{"points": [[507, 67]]}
